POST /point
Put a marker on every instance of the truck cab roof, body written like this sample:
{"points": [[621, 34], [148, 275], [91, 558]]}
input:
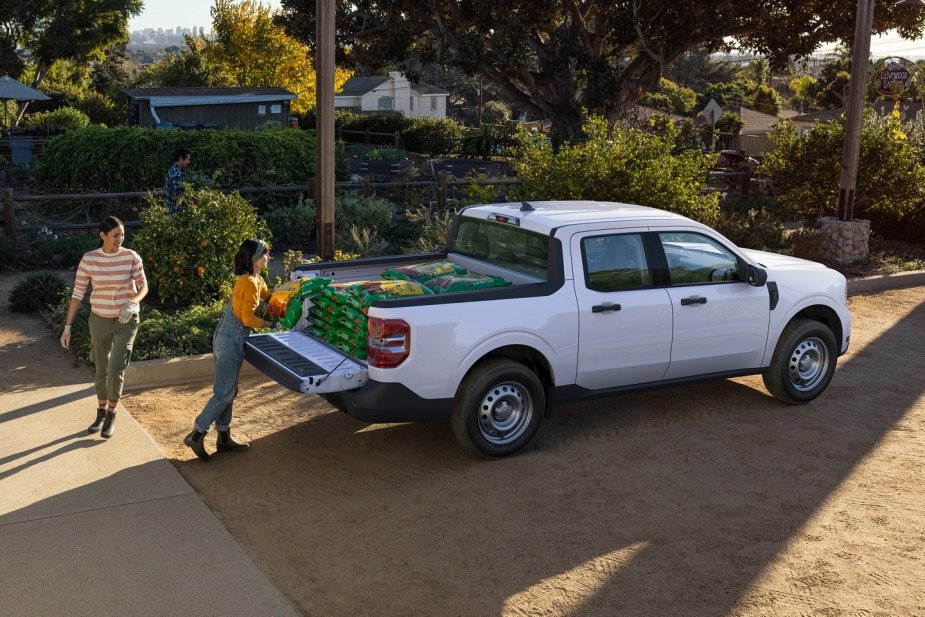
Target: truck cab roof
{"points": [[544, 216]]}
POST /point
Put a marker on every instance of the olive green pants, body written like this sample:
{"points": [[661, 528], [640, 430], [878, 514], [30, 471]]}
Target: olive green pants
{"points": [[110, 351]]}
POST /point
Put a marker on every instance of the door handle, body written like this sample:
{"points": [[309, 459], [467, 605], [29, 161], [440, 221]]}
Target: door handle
{"points": [[607, 307], [693, 300]]}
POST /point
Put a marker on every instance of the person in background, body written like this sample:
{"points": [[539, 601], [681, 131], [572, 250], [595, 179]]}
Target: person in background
{"points": [[118, 284], [173, 182], [241, 315]]}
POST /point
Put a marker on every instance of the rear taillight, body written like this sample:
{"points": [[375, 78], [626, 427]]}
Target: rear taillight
{"points": [[389, 342]]}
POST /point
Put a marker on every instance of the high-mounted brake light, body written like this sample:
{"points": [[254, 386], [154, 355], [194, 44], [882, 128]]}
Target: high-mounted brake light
{"points": [[389, 342], [503, 218]]}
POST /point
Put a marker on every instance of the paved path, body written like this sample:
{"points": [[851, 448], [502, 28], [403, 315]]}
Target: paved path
{"points": [[96, 527]]}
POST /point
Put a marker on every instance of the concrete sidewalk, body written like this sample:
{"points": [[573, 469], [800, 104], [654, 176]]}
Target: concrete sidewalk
{"points": [[108, 527]]}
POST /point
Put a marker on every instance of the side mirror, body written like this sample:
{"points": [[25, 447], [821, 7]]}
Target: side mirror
{"points": [[757, 277]]}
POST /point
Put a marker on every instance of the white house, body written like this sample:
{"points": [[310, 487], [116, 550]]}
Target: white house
{"points": [[392, 93]]}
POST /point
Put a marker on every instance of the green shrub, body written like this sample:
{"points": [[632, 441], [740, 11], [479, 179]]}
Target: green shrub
{"points": [[621, 164], [73, 248], [7, 254], [162, 334], [351, 210], [131, 158], [101, 109], [189, 257], [434, 228], [805, 169], [44, 243], [172, 335], [431, 136], [754, 229], [37, 292], [292, 225], [61, 118]]}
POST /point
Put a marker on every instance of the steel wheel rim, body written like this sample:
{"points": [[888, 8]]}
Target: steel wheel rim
{"points": [[808, 365], [504, 412]]}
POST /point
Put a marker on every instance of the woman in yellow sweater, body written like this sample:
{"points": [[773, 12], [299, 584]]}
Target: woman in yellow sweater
{"points": [[241, 315]]}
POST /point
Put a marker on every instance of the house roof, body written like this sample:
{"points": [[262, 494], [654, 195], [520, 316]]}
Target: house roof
{"points": [[755, 121], [176, 97], [358, 86], [908, 111]]}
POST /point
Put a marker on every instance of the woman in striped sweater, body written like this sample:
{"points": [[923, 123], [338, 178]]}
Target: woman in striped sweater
{"points": [[117, 280]]}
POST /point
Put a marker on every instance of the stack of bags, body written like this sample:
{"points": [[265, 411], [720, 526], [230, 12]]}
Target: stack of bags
{"points": [[338, 310], [445, 277]]}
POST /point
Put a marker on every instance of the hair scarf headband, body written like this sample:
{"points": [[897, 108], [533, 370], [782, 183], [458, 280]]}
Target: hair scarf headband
{"points": [[261, 249]]}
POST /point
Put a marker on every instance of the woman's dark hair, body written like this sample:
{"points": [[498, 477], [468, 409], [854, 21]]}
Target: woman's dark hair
{"points": [[244, 259], [108, 224]]}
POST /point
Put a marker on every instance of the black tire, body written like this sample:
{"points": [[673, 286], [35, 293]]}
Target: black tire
{"points": [[498, 408], [803, 362]]}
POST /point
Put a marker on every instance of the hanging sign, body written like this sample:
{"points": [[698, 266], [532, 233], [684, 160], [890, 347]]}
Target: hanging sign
{"points": [[892, 79]]}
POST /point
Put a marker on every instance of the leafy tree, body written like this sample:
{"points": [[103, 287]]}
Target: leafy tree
{"points": [[187, 68], [698, 68], [41, 33], [672, 97], [624, 165], [248, 48], [805, 169], [804, 89], [557, 58], [495, 112], [766, 100], [113, 73]]}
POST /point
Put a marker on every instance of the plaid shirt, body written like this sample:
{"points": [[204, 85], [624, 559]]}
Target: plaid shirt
{"points": [[172, 186]]}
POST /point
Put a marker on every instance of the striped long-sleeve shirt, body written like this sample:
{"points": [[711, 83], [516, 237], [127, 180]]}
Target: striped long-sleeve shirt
{"points": [[115, 278]]}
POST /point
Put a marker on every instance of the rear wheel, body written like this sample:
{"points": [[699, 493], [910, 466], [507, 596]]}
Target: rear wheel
{"points": [[803, 362], [498, 408]]}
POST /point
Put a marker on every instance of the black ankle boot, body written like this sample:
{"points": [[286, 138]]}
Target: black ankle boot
{"points": [[194, 442], [226, 443], [98, 424], [109, 425]]}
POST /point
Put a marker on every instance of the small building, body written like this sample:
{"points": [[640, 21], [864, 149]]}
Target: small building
{"points": [[393, 93], [211, 108]]}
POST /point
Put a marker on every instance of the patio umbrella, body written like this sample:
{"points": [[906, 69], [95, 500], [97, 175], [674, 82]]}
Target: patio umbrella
{"points": [[12, 90]]}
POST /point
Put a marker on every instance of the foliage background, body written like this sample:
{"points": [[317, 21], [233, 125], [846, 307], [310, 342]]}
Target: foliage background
{"points": [[131, 158]]}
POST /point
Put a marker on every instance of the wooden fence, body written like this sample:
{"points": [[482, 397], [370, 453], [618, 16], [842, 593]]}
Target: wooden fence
{"points": [[14, 229]]}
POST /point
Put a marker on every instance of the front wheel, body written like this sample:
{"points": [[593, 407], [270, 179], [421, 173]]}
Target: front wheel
{"points": [[803, 362], [498, 408]]}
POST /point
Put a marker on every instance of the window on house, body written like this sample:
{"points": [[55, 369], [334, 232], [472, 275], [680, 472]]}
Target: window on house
{"points": [[261, 110], [276, 109], [385, 103], [433, 103], [411, 101]]}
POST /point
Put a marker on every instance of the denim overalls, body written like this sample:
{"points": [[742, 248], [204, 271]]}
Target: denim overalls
{"points": [[228, 350]]}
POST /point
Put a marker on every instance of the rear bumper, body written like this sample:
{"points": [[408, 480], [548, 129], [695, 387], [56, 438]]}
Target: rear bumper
{"points": [[392, 402]]}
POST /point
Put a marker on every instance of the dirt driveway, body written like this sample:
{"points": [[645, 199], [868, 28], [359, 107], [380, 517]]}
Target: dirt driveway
{"points": [[708, 500]]}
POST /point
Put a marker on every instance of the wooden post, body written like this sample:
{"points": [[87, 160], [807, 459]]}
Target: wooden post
{"points": [[397, 139], [441, 190], [9, 216], [324, 108]]}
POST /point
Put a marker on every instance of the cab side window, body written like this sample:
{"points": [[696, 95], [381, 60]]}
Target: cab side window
{"points": [[615, 262], [694, 259]]}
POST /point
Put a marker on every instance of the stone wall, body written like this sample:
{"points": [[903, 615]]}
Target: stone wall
{"points": [[844, 242]]}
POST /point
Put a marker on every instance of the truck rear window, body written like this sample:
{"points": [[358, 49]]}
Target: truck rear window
{"points": [[503, 245]]}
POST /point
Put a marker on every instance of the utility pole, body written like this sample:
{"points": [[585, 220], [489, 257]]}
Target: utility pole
{"points": [[855, 110], [324, 129]]}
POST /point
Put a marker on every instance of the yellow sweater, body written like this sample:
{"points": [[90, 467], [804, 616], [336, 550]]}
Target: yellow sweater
{"points": [[248, 292]]}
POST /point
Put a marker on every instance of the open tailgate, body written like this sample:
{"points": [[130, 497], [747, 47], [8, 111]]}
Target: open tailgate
{"points": [[303, 363]]}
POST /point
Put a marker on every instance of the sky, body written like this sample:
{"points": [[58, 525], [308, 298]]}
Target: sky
{"points": [[169, 14]]}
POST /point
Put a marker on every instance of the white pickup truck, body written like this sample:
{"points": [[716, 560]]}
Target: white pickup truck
{"points": [[604, 298]]}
